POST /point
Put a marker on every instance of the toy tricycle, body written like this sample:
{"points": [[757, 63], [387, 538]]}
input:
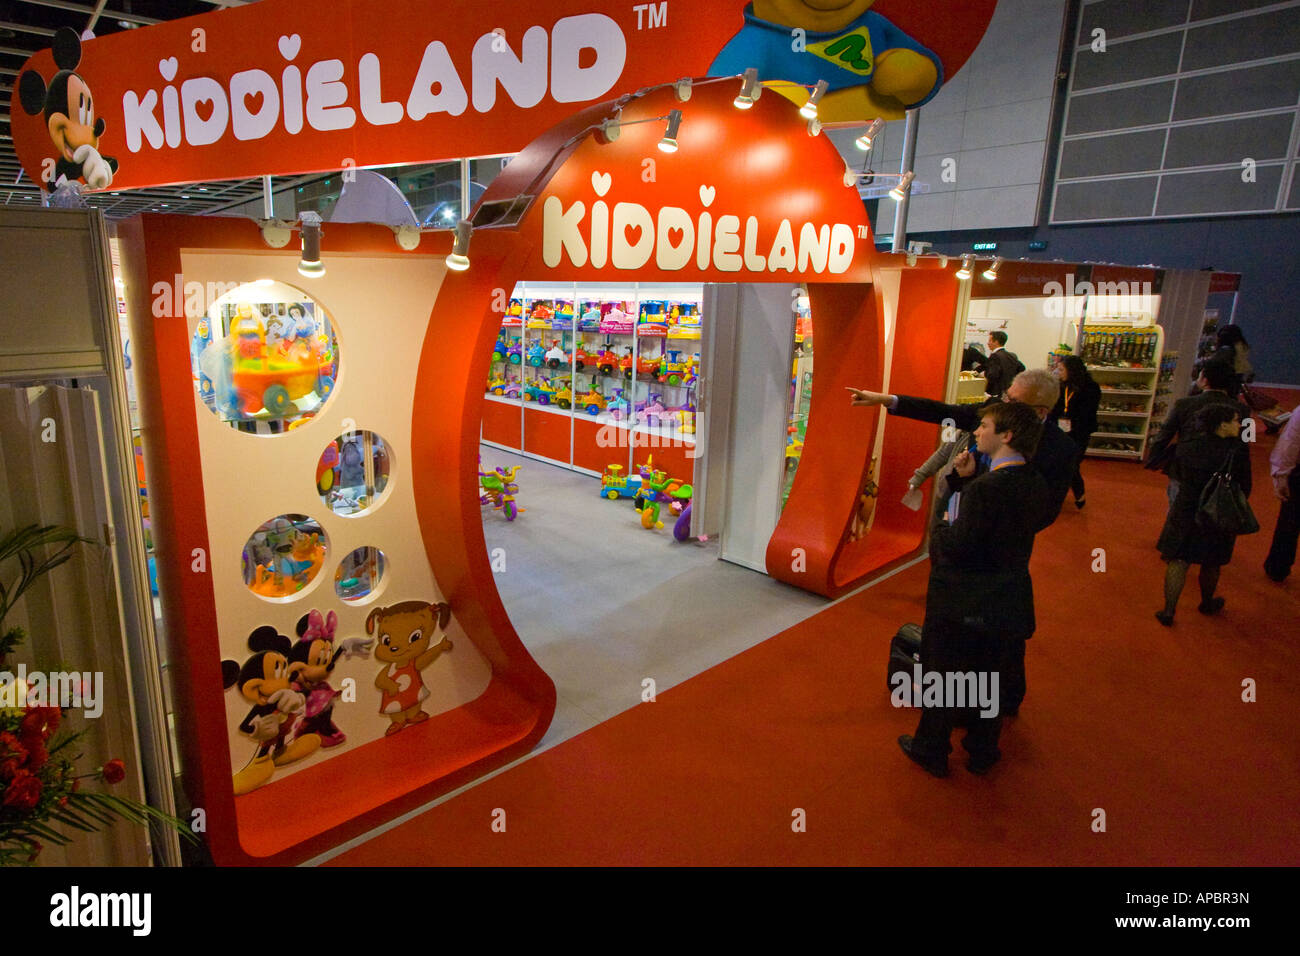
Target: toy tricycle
{"points": [[619, 406], [499, 489], [556, 356]]}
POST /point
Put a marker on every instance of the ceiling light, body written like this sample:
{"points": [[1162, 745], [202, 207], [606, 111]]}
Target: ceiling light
{"points": [[809, 109], [459, 258], [749, 90], [310, 265], [864, 141], [669, 143], [904, 186], [964, 272], [991, 272]]}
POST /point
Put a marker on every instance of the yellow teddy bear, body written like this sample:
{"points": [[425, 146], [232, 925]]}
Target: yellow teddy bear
{"points": [[872, 68]]}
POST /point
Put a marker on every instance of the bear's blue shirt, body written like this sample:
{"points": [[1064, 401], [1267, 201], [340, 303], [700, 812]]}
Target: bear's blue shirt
{"points": [[768, 47]]}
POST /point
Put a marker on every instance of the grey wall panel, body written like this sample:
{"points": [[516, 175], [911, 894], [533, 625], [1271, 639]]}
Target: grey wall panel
{"points": [[1255, 88], [1211, 144], [1105, 199], [998, 100], [1205, 9], [1125, 62], [1118, 109], [1238, 41], [1293, 200], [1189, 194], [1123, 17], [1122, 153]]}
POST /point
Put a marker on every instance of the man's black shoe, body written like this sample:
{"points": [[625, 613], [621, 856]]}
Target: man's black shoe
{"points": [[932, 766]]}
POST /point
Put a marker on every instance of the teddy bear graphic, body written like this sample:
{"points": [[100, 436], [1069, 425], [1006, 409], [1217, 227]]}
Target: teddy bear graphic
{"points": [[871, 67]]}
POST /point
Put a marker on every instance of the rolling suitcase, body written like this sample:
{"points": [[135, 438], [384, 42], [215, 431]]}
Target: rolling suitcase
{"points": [[904, 652]]}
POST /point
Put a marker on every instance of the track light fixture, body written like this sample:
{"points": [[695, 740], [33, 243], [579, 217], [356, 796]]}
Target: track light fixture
{"points": [[965, 271], [749, 90], [458, 261], [864, 141], [904, 186], [991, 272], [310, 264], [809, 109], [669, 142]]}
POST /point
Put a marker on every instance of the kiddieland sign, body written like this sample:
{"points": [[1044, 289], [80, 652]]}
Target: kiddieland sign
{"points": [[747, 196], [284, 86]]}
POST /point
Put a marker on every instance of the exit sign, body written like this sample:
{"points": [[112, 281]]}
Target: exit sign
{"points": [[984, 246], [1037, 245]]}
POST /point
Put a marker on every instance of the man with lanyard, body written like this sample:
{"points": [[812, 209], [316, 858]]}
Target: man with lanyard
{"points": [[1054, 458], [980, 596]]}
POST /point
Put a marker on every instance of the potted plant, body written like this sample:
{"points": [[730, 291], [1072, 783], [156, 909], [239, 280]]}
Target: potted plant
{"points": [[41, 796]]}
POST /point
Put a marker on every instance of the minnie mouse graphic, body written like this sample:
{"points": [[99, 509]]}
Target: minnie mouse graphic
{"points": [[311, 662], [69, 115]]}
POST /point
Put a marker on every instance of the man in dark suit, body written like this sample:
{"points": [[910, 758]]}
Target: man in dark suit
{"points": [[980, 595], [1054, 459], [1001, 366], [1216, 381]]}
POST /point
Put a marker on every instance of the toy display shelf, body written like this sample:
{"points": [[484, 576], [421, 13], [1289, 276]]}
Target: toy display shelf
{"points": [[1123, 432]]}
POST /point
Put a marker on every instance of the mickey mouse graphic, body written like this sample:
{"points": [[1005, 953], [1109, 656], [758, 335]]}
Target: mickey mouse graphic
{"points": [[70, 115]]}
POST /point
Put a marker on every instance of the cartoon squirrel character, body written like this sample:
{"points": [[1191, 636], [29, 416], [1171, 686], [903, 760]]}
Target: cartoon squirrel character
{"points": [[70, 115], [406, 633], [311, 662], [872, 68], [275, 722]]}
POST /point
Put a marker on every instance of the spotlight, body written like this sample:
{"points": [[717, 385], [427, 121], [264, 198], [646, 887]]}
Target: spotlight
{"points": [[864, 141], [904, 186], [458, 261], [964, 272], [669, 143], [683, 89], [991, 272], [749, 90], [809, 109], [310, 264]]}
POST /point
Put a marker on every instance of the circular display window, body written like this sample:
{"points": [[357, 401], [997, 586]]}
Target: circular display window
{"points": [[359, 574], [283, 556], [352, 472], [264, 357]]}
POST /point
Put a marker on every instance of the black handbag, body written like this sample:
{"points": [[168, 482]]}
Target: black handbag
{"points": [[1223, 506]]}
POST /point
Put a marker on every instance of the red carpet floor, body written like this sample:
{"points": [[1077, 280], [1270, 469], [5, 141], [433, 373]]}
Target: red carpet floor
{"points": [[1123, 716]]}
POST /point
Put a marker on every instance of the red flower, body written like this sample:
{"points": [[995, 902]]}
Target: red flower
{"points": [[114, 771], [37, 755], [12, 756], [24, 791], [36, 851], [40, 720]]}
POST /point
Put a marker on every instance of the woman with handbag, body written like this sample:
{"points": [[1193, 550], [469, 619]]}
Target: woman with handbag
{"points": [[1212, 465]]}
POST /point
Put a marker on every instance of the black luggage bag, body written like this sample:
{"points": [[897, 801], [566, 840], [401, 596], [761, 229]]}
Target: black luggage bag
{"points": [[904, 652]]}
